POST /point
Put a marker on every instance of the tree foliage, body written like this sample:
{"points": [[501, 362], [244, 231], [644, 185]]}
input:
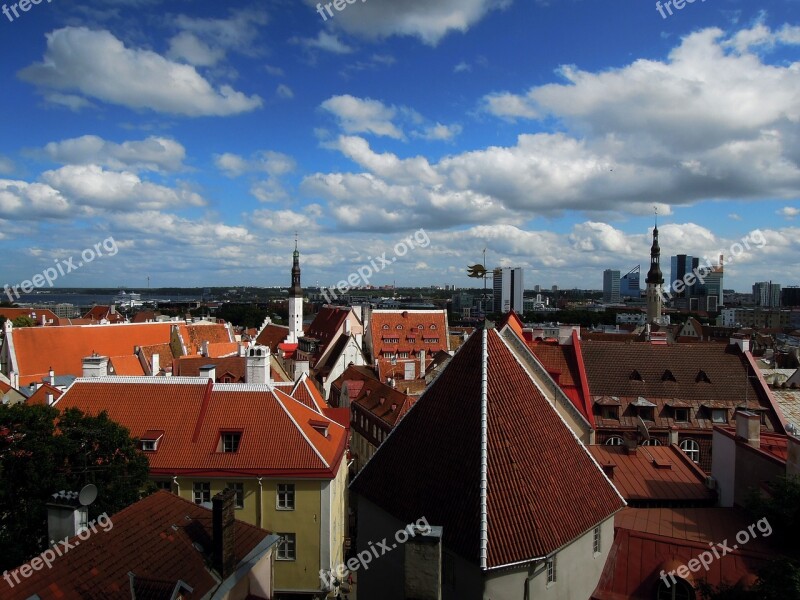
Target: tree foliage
{"points": [[23, 321], [43, 452]]}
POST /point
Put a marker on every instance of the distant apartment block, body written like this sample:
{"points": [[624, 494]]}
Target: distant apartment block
{"points": [[630, 284], [767, 294]]}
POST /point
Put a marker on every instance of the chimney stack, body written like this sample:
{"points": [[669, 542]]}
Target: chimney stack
{"points": [[65, 515], [156, 360], [423, 564], [223, 506], [95, 365], [209, 372], [52, 375], [748, 428], [608, 469], [422, 364]]}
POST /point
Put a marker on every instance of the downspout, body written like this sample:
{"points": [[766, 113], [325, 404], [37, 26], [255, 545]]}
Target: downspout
{"points": [[177, 485], [259, 509]]}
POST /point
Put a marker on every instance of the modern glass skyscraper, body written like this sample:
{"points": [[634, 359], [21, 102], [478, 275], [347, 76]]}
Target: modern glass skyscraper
{"points": [[611, 286]]}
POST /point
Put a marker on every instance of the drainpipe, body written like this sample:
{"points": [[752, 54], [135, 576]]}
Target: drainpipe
{"points": [[177, 485], [258, 512]]}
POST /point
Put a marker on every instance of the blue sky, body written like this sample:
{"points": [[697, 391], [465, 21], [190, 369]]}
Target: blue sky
{"points": [[202, 135]]}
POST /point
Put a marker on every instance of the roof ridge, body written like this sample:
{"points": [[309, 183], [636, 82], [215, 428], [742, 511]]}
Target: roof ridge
{"points": [[203, 408], [484, 533], [297, 425]]}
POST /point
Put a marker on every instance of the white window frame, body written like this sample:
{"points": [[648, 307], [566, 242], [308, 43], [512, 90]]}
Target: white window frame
{"points": [[614, 440], [287, 547], [597, 540], [285, 498], [690, 447], [552, 570], [230, 441], [205, 489], [238, 488]]}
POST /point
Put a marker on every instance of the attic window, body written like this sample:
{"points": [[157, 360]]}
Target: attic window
{"points": [[668, 376], [385, 326], [320, 427], [636, 376], [702, 376], [150, 440], [229, 441], [399, 327], [433, 326], [420, 327]]}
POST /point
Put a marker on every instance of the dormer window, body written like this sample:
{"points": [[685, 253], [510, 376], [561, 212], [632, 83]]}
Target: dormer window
{"points": [[385, 326], [668, 376], [636, 376], [420, 327], [702, 377], [399, 327], [320, 427], [150, 440], [229, 441], [681, 415], [433, 326]]}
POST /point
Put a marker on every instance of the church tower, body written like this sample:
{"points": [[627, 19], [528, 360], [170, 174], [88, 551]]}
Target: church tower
{"points": [[654, 281], [295, 301]]}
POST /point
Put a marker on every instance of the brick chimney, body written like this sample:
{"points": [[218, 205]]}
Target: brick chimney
{"points": [[223, 522]]}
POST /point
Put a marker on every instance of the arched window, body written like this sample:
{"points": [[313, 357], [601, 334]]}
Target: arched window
{"points": [[399, 327], [651, 442], [614, 441], [385, 326], [433, 326], [420, 326], [680, 590], [692, 449]]}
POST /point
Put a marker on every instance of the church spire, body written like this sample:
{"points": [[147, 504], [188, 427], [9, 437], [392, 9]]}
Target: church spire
{"points": [[295, 291], [655, 279]]}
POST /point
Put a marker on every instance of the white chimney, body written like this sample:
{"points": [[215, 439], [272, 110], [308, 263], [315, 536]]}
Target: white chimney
{"points": [[50, 399], [156, 360], [95, 366], [204, 348], [66, 517], [347, 326], [742, 343], [422, 364], [208, 372], [258, 369], [52, 375], [44, 319]]}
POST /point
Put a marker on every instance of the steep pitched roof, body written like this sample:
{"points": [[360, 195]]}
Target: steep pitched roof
{"points": [[40, 395], [277, 434], [271, 336], [411, 329], [156, 539], [327, 324], [99, 313], [307, 393], [543, 489]]}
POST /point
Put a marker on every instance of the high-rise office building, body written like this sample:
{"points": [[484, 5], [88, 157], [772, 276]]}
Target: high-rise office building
{"points": [[508, 288], [767, 294], [611, 286], [790, 296], [681, 265], [630, 284]]}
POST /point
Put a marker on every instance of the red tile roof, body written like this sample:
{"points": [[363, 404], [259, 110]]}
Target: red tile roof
{"points": [[277, 439], [154, 538], [222, 349], [307, 393], [100, 313], [654, 474], [326, 326], [774, 445], [13, 313], [126, 365], [411, 328], [194, 334], [234, 366], [544, 488], [36, 349], [40, 395], [648, 540], [271, 336]]}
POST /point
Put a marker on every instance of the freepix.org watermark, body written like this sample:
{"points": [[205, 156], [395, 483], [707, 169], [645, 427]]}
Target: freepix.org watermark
{"points": [[23, 5], [339, 5], [330, 579], [718, 550], [49, 556], [699, 273], [362, 275], [62, 268], [670, 4]]}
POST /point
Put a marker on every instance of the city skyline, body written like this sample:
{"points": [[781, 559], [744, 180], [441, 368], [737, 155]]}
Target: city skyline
{"points": [[201, 137]]}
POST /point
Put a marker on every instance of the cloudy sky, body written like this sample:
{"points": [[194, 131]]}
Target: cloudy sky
{"points": [[202, 135]]}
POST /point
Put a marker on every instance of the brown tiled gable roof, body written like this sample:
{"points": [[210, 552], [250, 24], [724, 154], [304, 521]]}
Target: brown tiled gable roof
{"points": [[609, 368], [544, 489], [271, 336], [152, 538]]}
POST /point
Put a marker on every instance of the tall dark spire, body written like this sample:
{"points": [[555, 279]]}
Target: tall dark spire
{"points": [[296, 291], [654, 274]]}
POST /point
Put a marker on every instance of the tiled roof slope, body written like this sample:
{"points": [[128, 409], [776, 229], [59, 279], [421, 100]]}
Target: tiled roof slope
{"points": [[126, 365], [411, 337], [40, 395], [326, 324], [655, 474], [271, 336], [13, 313], [141, 540], [609, 367], [277, 436], [544, 489], [63, 348]]}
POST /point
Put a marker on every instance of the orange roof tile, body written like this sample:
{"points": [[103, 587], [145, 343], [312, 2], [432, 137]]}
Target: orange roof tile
{"points": [[277, 438], [271, 336], [222, 349], [306, 392], [36, 349], [411, 329], [126, 365], [13, 313]]}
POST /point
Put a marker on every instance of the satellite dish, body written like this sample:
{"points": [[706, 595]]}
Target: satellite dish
{"points": [[642, 428], [88, 494]]}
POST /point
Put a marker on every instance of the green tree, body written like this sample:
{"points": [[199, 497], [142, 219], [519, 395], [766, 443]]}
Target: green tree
{"points": [[23, 321], [781, 508], [43, 452]]}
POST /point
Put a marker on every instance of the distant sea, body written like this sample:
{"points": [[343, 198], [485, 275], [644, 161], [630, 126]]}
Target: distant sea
{"points": [[90, 299]]}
